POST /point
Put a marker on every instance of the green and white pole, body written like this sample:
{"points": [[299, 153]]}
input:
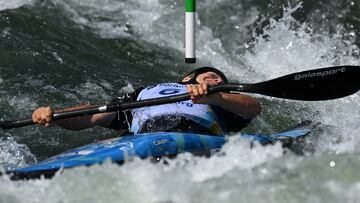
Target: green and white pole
{"points": [[190, 22]]}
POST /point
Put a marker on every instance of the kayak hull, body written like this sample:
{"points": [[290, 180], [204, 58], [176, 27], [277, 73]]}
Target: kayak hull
{"points": [[145, 145]]}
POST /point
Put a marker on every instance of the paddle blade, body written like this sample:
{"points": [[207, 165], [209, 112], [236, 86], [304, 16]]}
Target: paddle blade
{"points": [[314, 85]]}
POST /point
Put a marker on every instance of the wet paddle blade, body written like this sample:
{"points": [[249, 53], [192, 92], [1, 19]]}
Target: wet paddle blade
{"points": [[314, 85]]}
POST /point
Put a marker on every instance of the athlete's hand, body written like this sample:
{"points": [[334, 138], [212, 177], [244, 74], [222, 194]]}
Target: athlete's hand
{"points": [[198, 93], [43, 116]]}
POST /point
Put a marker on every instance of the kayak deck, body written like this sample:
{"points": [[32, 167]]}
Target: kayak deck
{"points": [[145, 145]]}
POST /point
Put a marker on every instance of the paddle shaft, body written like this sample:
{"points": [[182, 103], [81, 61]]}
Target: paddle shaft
{"points": [[119, 106], [313, 85]]}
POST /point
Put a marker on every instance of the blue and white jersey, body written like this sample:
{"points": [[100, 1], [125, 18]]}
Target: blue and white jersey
{"points": [[199, 113]]}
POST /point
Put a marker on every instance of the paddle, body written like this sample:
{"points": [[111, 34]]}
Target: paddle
{"points": [[313, 85]]}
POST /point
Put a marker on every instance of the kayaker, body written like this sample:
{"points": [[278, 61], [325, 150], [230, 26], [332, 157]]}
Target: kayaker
{"points": [[217, 113]]}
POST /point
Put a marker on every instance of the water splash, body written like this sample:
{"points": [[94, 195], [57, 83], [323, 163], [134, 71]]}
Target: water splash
{"points": [[286, 46], [14, 155], [4, 4]]}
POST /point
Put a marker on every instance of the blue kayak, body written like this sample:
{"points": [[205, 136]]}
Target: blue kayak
{"points": [[145, 145]]}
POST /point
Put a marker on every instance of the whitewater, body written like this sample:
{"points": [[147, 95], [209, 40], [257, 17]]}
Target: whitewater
{"points": [[64, 53]]}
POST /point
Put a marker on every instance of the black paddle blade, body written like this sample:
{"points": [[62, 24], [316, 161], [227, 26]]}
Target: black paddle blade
{"points": [[314, 85]]}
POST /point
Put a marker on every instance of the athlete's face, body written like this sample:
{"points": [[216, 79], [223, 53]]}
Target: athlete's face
{"points": [[210, 78]]}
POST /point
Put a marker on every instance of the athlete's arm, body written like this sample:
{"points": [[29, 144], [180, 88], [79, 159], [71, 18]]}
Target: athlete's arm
{"points": [[240, 104], [113, 120], [43, 115]]}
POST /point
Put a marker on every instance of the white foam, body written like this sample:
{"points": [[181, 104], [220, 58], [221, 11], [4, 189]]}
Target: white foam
{"points": [[235, 155], [13, 154], [286, 49], [283, 49], [6, 4], [155, 182]]}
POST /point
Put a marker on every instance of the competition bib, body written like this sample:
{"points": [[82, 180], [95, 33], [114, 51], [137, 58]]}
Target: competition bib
{"points": [[199, 113]]}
